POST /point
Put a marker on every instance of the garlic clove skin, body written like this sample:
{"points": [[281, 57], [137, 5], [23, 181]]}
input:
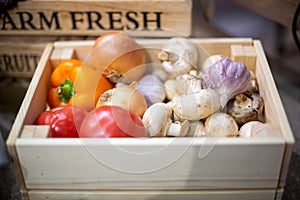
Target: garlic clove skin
{"points": [[196, 106], [156, 118], [221, 125]]}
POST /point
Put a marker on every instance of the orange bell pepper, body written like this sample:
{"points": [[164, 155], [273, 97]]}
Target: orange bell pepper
{"points": [[76, 83]]}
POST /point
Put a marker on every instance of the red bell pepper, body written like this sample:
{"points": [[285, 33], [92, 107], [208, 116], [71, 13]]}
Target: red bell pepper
{"points": [[63, 121]]}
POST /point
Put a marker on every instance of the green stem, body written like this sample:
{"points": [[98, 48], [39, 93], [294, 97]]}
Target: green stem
{"points": [[65, 91]]}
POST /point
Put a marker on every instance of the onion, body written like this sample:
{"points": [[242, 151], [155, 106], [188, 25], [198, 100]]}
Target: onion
{"points": [[118, 55], [126, 97]]}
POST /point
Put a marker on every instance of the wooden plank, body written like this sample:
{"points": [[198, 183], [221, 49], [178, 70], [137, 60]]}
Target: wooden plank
{"points": [[19, 55], [276, 114], [32, 131], [23, 117], [114, 163], [139, 17], [19, 59], [167, 195]]}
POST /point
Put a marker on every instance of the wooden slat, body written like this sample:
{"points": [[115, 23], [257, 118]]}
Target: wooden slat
{"points": [[24, 116], [158, 163], [274, 107], [20, 55], [167, 195], [73, 17]]}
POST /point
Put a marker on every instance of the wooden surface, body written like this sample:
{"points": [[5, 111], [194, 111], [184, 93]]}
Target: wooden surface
{"points": [[232, 162], [280, 11], [20, 55], [77, 17], [155, 195]]}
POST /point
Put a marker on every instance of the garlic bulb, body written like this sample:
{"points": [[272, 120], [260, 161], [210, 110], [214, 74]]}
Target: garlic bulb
{"points": [[178, 56], [209, 61], [151, 87], [228, 78]]}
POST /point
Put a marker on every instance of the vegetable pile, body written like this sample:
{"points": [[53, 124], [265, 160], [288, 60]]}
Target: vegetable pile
{"points": [[116, 96]]}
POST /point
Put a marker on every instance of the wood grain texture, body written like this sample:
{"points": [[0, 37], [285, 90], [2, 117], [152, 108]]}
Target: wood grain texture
{"points": [[158, 163], [155, 195], [140, 17], [274, 109]]}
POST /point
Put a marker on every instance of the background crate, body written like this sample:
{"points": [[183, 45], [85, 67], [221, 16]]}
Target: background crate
{"points": [[20, 55], [77, 17], [237, 168]]}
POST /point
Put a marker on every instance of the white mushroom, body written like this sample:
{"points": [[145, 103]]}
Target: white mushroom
{"points": [[157, 119], [245, 107], [183, 84], [197, 129], [178, 56], [196, 106], [220, 125], [178, 129], [258, 129]]}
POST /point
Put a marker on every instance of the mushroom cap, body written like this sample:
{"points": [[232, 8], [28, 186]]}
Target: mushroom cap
{"points": [[220, 125]]}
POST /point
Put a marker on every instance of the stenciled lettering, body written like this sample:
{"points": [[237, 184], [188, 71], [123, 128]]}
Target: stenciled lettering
{"points": [[7, 20], [115, 19], [75, 19], [18, 62], [26, 19], [156, 20], [131, 18], [94, 18], [53, 20]]}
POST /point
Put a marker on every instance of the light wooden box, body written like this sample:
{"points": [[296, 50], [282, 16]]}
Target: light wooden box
{"points": [[154, 168], [96, 17]]}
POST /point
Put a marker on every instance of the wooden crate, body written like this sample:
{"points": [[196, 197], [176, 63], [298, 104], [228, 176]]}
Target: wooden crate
{"points": [[175, 168], [20, 55], [77, 17]]}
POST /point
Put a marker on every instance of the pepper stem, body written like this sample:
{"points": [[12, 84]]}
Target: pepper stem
{"points": [[65, 91]]}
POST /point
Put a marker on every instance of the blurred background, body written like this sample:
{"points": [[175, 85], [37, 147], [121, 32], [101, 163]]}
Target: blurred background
{"points": [[218, 18]]}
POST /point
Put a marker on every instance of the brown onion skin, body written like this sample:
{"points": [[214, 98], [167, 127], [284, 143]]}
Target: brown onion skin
{"points": [[121, 53]]}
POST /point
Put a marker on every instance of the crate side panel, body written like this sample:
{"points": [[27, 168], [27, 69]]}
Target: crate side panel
{"points": [[274, 110], [141, 18], [143, 164], [168, 195]]}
